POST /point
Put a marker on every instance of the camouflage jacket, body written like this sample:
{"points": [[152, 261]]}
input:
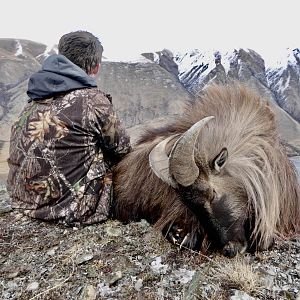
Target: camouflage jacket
{"points": [[61, 153]]}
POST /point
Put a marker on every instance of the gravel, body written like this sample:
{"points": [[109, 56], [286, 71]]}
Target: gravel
{"points": [[40, 260]]}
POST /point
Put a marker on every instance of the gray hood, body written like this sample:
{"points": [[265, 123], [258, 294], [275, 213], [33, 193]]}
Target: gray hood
{"points": [[58, 75]]}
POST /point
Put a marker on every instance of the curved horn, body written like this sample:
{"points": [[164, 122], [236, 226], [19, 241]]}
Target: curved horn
{"points": [[182, 161], [159, 161]]}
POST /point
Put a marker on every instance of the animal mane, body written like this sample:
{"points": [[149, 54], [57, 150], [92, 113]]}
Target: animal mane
{"points": [[246, 126]]}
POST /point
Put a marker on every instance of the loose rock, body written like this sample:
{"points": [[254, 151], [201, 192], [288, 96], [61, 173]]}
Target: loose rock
{"points": [[84, 258], [32, 286], [88, 293]]}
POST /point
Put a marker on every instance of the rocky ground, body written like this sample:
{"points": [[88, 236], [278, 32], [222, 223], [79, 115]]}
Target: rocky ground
{"points": [[116, 261]]}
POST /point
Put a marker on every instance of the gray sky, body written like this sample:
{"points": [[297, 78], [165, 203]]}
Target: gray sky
{"points": [[129, 27]]}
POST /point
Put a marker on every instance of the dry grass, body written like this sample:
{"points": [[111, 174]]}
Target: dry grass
{"points": [[225, 274], [220, 276], [237, 274]]}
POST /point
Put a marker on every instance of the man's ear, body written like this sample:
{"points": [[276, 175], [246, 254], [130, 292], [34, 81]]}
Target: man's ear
{"points": [[95, 70]]}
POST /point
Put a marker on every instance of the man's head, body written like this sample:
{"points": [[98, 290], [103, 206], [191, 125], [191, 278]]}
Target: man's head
{"points": [[83, 49]]}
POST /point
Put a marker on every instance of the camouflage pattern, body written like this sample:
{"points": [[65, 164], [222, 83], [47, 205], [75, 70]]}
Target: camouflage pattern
{"points": [[61, 156]]}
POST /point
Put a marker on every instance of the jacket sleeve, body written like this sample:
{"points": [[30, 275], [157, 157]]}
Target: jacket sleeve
{"points": [[112, 136]]}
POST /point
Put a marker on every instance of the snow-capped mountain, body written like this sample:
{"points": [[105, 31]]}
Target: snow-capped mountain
{"points": [[142, 91], [150, 89], [284, 81], [279, 79], [196, 68]]}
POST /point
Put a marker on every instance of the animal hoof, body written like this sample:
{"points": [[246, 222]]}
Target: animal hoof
{"points": [[233, 248]]}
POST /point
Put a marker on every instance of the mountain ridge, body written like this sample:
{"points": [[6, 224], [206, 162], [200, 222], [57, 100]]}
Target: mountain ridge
{"points": [[151, 90], [142, 92], [196, 69]]}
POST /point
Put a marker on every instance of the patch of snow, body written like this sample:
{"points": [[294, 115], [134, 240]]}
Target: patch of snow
{"points": [[19, 49], [273, 75], [195, 65], [48, 51], [156, 57], [227, 59], [196, 58], [55, 49], [281, 86], [203, 62]]}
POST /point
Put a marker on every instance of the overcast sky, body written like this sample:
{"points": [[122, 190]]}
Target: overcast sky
{"points": [[129, 27]]}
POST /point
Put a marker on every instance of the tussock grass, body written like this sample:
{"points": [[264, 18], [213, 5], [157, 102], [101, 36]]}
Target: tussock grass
{"points": [[236, 273]]}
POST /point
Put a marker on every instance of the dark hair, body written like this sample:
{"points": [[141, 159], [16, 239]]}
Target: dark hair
{"points": [[82, 48]]}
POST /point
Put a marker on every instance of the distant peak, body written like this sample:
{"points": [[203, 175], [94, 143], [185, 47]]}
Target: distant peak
{"points": [[19, 48]]}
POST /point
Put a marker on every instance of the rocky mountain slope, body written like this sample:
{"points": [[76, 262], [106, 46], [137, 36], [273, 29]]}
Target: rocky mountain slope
{"points": [[284, 81], [280, 83], [151, 90], [142, 92]]}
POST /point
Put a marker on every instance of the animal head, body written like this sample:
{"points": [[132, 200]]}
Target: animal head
{"points": [[204, 186]]}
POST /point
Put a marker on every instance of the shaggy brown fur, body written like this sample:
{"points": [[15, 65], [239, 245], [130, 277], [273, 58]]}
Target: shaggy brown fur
{"points": [[257, 189]]}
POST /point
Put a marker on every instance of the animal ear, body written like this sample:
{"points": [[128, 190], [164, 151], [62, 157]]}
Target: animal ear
{"points": [[220, 160]]}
